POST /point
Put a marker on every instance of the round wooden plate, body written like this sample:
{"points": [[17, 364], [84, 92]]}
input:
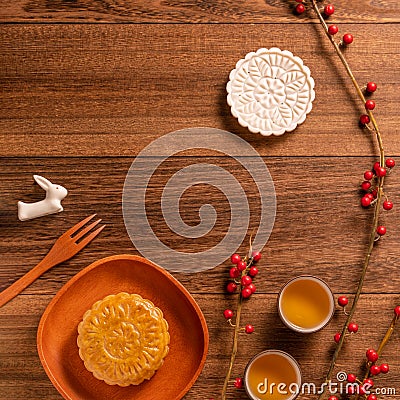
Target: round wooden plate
{"points": [[57, 332]]}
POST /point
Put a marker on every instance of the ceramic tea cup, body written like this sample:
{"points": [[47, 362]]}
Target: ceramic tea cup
{"points": [[306, 304], [272, 375]]}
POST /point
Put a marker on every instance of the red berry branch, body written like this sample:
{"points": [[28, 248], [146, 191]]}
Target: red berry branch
{"points": [[374, 194], [371, 366], [364, 387], [242, 274]]}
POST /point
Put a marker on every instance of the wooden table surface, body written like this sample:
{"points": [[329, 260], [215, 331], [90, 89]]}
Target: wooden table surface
{"points": [[86, 85]]}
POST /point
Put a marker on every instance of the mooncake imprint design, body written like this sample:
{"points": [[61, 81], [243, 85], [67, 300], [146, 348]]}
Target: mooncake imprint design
{"points": [[270, 91], [123, 339]]}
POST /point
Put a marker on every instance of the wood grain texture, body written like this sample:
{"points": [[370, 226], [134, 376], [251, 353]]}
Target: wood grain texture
{"points": [[86, 85], [99, 90], [21, 374], [320, 227], [200, 11]]}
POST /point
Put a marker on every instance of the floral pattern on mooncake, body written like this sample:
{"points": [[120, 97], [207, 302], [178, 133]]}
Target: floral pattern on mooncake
{"points": [[123, 339], [270, 91]]}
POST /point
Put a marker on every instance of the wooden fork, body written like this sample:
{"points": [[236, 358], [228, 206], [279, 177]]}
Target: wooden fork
{"points": [[65, 247]]}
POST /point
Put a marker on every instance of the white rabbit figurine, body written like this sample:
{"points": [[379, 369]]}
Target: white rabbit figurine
{"points": [[50, 205]]}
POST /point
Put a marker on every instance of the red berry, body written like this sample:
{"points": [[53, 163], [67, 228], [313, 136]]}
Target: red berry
{"points": [[372, 397], [300, 8], [350, 390], [371, 87], [370, 104], [241, 266], [376, 166], [368, 175], [249, 328], [337, 337], [246, 293], [235, 258], [374, 194], [361, 390], [381, 171], [252, 287], [390, 163], [333, 29], [375, 370], [372, 355], [238, 383], [246, 280], [397, 311], [228, 314], [364, 119], [231, 287], [234, 272], [381, 230], [353, 328], [333, 398], [256, 256], [253, 271], [369, 382], [348, 38], [329, 9], [351, 378], [387, 205], [384, 368], [366, 201], [366, 185], [343, 301]]}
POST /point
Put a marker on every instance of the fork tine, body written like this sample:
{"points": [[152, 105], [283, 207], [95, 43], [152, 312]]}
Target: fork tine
{"points": [[86, 230], [89, 238], [72, 230]]}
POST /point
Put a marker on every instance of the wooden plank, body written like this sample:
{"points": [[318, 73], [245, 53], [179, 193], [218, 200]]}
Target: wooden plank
{"points": [[226, 11], [22, 375], [320, 227], [99, 90]]}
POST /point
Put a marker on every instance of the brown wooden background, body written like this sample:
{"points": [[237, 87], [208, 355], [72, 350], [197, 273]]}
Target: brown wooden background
{"points": [[85, 85]]}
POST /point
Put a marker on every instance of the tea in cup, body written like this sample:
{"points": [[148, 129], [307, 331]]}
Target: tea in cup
{"points": [[306, 304], [272, 375]]}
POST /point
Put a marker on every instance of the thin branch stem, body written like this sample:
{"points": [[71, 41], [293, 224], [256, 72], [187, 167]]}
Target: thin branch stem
{"points": [[375, 219], [388, 335], [234, 346], [250, 262], [353, 79], [382, 345]]}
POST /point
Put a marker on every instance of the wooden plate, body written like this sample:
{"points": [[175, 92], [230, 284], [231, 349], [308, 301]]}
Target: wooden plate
{"points": [[57, 332]]}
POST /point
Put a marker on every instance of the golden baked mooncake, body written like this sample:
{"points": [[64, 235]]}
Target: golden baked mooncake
{"points": [[123, 339]]}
